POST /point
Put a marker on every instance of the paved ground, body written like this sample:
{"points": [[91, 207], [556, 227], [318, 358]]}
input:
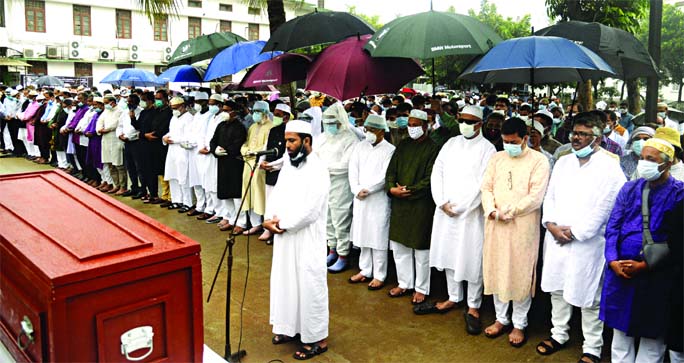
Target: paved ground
{"points": [[365, 326]]}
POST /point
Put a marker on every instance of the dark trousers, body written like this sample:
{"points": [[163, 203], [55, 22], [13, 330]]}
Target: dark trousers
{"points": [[3, 124], [13, 127], [71, 159], [132, 156], [53, 156], [88, 170]]}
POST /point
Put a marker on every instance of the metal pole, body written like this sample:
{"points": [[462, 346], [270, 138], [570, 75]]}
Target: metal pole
{"points": [[654, 36], [434, 85]]}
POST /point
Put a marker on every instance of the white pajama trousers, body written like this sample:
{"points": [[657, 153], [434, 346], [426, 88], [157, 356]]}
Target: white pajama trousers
{"points": [[624, 351], [373, 263], [200, 197], [212, 202], [520, 310], [105, 175], [226, 208], [180, 194], [592, 326], [254, 218], [413, 267], [62, 159], [455, 289], [7, 138]]}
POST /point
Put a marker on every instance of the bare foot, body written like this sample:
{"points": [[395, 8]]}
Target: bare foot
{"points": [[494, 329], [359, 277], [445, 305], [516, 336], [418, 297], [397, 291], [376, 283], [474, 312]]}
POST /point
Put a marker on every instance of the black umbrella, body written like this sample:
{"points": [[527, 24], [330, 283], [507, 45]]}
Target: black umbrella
{"points": [[48, 81], [620, 49], [316, 28]]}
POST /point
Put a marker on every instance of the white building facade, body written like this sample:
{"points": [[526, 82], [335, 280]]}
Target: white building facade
{"points": [[80, 38]]}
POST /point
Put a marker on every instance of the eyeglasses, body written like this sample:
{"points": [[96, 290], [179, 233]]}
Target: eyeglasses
{"points": [[370, 129], [581, 134], [468, 122]]}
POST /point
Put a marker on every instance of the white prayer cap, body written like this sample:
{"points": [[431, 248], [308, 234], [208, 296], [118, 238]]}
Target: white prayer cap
{"points": [[98, 99], [201, 96], [544, 114], [460, 104], [19, 87], [13, 92], [476, 97], [216, 97], [473, 111], [261, 106], [376, 122], [80, 88], [298, 126], [601, 105], [421, 115], [283, 107], [539, 127], [176, 101], [40, 97], [33, 93], [661, 104], [117, 92], [124, 92]]}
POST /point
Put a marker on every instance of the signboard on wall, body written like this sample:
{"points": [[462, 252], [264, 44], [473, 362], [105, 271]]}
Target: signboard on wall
{"points": [[73, 81]]}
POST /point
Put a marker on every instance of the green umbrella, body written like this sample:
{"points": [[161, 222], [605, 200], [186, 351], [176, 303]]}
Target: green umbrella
{"points": [[432, 34], [203, 47]]}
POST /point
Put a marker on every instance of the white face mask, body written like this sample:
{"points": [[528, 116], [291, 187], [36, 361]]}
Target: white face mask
{"points": [[468, 131], [371, 138], [198, 107], [415, 132], [649, 170], [176, 113]]}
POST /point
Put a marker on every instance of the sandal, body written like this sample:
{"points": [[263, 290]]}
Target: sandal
{"points": [[416, 302], [521, 343], [592, 358], [377, 287], [238, 230], [551, 348], [403, 292], [503, 330], [362, 279], [282, 339], [314, 350]]}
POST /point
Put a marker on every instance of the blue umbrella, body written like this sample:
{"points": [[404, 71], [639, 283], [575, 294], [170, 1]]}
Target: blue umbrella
{"points": [[182, 73], [131, 77], [236, 58], [537, 60]]}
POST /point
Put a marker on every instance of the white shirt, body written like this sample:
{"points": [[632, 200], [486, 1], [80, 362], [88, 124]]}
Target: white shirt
{"points": [[582, 198], [125, 127]]}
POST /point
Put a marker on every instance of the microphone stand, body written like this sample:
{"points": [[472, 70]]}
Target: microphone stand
{"points": [[230, 242]]}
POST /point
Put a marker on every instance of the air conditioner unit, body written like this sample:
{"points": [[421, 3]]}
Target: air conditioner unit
{"points": [[106, 55], [168, 50], [165, 58], [75, 49], [133, 54], [52, 52], [29, 53]]}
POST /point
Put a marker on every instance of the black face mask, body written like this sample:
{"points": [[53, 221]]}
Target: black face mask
{"points": [[299, 157]]}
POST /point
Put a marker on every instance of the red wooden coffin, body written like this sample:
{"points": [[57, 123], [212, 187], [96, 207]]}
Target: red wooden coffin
{"points": [[85, 278]]}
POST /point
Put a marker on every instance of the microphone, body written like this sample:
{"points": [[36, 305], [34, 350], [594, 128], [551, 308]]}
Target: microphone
{"points": [[269, 152]]}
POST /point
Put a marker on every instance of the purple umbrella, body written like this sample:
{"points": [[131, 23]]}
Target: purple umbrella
{"points": [[345, 70], [285, 68]]}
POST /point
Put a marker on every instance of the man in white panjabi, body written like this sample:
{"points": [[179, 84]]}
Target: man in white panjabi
{"points": [[296, 215], [177, 167], [196, 135], [458, 226], [578, 202], [210, 164], [112, 146], [370, 224]]}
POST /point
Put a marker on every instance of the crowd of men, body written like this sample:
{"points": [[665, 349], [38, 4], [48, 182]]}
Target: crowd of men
{"points": [[473, 187]]}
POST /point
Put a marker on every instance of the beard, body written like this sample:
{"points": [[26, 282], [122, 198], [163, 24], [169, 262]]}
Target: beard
{"points": [[298, 156]]}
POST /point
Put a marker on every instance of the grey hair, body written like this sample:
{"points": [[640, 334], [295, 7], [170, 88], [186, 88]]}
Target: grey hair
{"points": [[597, 131], [665, 157]]}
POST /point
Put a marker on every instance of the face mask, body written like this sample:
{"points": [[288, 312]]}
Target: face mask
{"points": [[623, 111], [513, 150], [607, 130], [176, 113], [542, 107], [493, 134], [257, 117], [98, 110], [468, 131], [370, 137], [213, 109], [637, 146], [108, 107], [352, 120], [331, 129], [80, 104], [527, 120], [197, 107], [529, 143], [415, 132], [662, 115], [649, 170], [158, 103], [277, 121], [299, 157], [585, 151], [556, 121], [402, 122], [500, 112]]}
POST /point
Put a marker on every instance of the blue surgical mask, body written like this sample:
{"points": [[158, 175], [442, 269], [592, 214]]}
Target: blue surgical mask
{"points": [[585, 151], [402, 122], [513, 150], [257, 116], [556, 121], [352, 120], [332, 129], [662, 114], [80, 104], [213, 109], [649, 170], [108, 107], [637, 146]]}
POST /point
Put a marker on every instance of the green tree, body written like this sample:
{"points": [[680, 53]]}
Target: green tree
{"points": [[621, 14], [506, 27], [373, 20]]}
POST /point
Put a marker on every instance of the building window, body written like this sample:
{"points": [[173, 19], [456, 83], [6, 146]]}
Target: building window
{"points": [[83, 69], [194, 3], [38, 67], [225, 7], [123, 24], [35, 16], [226, 26], [160, 69], [160, 28], [82, 20], [253, 32], [124, 66], [194, 27], [253, 11]]}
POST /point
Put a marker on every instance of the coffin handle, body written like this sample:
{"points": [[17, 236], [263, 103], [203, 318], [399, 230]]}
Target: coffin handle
{"points": [[27, 330], [136, 339]]}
